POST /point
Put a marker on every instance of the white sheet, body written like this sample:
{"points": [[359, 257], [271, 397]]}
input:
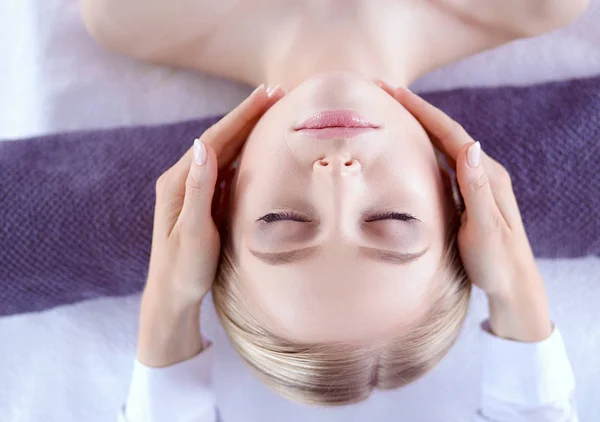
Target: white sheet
{"points": [[73, 363]]}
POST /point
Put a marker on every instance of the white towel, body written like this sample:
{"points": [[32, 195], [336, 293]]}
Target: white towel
{"points": [[73, 363]]}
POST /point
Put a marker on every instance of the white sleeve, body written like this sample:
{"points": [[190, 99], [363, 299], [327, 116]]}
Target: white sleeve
{"points": [[530, 382], [177, 393]]}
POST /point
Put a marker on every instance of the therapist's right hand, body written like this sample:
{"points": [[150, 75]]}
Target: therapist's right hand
{"points": [[493, 244], [185, 240]]}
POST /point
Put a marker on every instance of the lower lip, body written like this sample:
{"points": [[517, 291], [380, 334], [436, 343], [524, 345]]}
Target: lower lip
{"points": [[336, 118], [336, 124], [336, 132]]}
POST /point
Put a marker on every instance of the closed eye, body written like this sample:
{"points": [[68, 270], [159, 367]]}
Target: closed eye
{"points": [[401, 216], [284, 216], [293, 216]]}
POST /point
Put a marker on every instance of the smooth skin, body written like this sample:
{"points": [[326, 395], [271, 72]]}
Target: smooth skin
{"points": [[185, 247], [282, 41]]}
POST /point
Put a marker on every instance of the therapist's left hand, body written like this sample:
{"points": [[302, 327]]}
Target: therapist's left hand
{"points": [[492, 239]]}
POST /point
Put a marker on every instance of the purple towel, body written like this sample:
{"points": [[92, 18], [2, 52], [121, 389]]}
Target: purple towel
{"points": [[76, 208]]}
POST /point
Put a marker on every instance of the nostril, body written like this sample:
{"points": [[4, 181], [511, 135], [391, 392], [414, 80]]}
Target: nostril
{"points": [[323, 163], [349, 163]]}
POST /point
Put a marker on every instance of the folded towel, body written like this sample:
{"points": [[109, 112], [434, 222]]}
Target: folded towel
{"points": [[547, 136], [76, 208]]}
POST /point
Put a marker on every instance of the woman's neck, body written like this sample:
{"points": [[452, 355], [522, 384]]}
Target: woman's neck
{"points": [[303, 49]]}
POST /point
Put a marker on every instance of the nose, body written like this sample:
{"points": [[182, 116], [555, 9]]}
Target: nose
{"points": [[343, 165]]}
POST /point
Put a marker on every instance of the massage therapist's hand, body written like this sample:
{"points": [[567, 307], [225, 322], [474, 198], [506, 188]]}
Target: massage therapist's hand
{"points": [[492, 240], [185, 240]]}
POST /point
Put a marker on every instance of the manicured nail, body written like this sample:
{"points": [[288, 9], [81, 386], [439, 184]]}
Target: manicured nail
{"points": [[271, 89], [474, 154], [383, 84], [199, 152], [258, 88]]}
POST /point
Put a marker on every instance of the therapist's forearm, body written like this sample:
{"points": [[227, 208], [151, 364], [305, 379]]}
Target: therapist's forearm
{"points": [[169, 332], [523, 315]]}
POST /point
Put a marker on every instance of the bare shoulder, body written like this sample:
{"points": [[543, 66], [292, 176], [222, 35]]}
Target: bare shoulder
{"points": [[524, 18], [449, 30], [229, 37], [154, 30]]}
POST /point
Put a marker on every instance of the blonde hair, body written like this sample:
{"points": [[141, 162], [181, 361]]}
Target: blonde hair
{"points": [[336, 374]]}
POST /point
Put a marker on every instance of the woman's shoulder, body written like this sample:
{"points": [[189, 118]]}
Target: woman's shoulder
{"points": [[155, 30], [524, 18]]}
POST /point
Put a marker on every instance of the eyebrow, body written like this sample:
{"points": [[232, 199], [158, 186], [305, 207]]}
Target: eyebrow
{"points": [[296, 255], [392, 257], [278, 258]]}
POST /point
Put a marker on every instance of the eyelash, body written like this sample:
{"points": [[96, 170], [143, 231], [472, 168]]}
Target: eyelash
{"points": [[284, 215], [292, 216], [401, 216]]}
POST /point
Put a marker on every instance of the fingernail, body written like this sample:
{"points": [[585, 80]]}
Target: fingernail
{"points": [[271, 89], [258, 88], [474, 154], [199, 152], [383, 84]]}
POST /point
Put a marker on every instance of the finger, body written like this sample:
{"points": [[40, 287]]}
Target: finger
{"points": [[171, 185], [391, 90], [227, 136], [385, 86], [170, 194], [447, 135], [170, 191], [180, 169], [502, 189], [195, 216], [475, 189]]}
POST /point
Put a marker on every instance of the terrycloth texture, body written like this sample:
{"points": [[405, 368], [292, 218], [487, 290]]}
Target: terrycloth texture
{"points": [[54, 79], [547, 137], [76, 210]]}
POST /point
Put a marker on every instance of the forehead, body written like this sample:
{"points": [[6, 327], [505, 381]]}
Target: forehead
{"points": [[338, 296]]}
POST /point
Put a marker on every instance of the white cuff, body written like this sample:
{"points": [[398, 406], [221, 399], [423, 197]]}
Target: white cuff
{"points": [[181, 392], [529, 374]]}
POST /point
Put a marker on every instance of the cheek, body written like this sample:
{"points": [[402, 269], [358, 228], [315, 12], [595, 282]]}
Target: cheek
{"points": [[436, 206], [426, 194]]}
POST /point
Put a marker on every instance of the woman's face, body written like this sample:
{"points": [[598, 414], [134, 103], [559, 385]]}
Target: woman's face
{"points": [[338, 239]]}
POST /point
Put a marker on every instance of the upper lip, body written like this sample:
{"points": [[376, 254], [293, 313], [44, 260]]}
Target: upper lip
{"points": [[336, 118]]}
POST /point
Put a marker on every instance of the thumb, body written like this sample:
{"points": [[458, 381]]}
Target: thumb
{"points": [[475, 186], [199, 189]]}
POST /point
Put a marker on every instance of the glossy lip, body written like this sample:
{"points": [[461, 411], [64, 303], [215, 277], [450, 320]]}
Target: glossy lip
{"points": [[336, 132], [330, 119]]}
